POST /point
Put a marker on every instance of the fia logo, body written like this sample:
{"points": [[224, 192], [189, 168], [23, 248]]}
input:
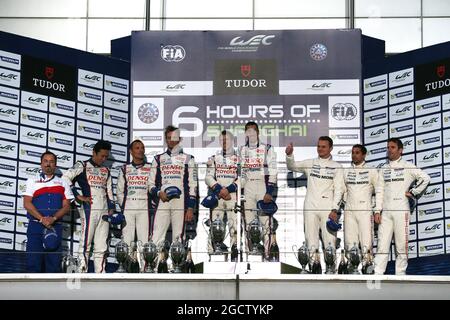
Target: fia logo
{"points": [[173, 53]]}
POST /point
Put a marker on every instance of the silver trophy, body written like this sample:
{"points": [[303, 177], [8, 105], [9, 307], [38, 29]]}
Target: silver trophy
{"points": [[315, 265], [122, 250], [355, 258], [69, 264], [255, 235], [218, 234], [330, 259], [150, 252], [302, 256], [368, 266], [178, 255]]}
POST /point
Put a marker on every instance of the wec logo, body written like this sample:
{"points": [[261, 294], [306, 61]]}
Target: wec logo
{"points": [[253, 41]]}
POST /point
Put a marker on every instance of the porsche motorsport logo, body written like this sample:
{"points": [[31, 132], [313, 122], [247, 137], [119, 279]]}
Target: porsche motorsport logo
{"points": [[148, 113]]}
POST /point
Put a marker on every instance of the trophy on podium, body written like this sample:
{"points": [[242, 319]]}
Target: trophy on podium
{"points": [[316, 267], [343, 264], [150, 252], [368, 266], [217, 231], [355, 258], [178, 255], [255, 235], [122, 250], [302, 256], [330, 259], [69, 264]]}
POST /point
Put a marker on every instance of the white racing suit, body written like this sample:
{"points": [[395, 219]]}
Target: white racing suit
{"points": [[172, 168], [95, 182], [361, 182], [132, 193], [222, 172], [324, 192], [397, 177], [259, 176]]}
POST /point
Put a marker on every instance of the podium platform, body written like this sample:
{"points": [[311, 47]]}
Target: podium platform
{"points": [[221, 287], [257, 268]]}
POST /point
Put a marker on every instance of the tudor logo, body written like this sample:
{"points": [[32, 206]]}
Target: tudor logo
{"points": [[246, 70], [49, 72], [253, 41]]}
